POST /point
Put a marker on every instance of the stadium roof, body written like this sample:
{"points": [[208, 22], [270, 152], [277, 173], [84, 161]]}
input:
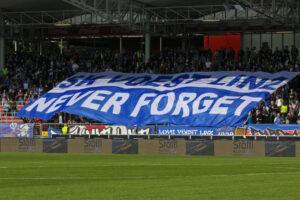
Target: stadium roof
{"points": [[156, 16], [166, 3], [34, 5], [50, 5]]}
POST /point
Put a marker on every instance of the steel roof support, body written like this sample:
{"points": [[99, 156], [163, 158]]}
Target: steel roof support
{"points": [[2, 42], [265, 10], [111, 13], [163, 20]]}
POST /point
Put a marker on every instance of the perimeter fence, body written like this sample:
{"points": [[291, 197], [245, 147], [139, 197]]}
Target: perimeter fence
{"points": [[90, 130]]}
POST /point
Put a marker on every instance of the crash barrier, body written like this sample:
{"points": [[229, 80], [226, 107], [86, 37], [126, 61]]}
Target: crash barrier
{"points": [[50, 130], [47, 130], [243, 147]]}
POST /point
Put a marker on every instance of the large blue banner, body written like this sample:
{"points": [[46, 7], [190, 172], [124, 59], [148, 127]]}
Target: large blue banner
{"points": [[195, 99], [273, 129], [16, 130]]}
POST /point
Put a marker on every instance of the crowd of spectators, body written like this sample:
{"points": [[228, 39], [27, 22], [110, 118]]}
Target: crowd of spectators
{"points": [[281, 108], [26, 76]]}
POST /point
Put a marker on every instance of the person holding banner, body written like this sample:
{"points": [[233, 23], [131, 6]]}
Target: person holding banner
{"points": [[248, 120], [277, 119]]}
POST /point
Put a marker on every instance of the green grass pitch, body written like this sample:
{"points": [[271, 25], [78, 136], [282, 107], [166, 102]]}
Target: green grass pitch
{"points": [[78, 176]]}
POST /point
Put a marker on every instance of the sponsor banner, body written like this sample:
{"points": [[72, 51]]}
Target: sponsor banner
{"points": [[208, 99], [104, 130], [239, 148], [16, 130], [124, 146], [96, 145], [204, 131], [162, 147], [274, 129], [169, 130], [44, 133], [280, 149], [200, 147], [225, 131], [240, 131], [21, 145], [58, 145], [30, 145], [103, 146], [171, 147]]}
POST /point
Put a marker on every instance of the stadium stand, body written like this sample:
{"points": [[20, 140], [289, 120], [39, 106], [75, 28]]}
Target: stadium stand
{"points": [[165, 78], [30, 70], [26, 76]]}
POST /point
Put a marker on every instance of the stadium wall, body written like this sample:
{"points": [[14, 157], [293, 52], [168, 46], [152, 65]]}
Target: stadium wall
{"points": [[216, 42], [275, 39], [154, 147]]}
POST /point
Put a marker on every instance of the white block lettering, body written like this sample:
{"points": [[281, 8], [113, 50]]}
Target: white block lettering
{"points": [[41, 104], [217, 109], [206, 103], [77, 98], [142, 102], [247, 101], [182, 104], [88, 103], [115, 101], [168, 107], [56, 105]]}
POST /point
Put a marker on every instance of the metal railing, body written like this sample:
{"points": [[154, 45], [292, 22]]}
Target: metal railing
{"points": [[121, 131], [18, 103], [92, 130]]}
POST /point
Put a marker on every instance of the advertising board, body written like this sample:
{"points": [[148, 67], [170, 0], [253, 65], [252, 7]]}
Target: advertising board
{"points": [[58, 145], [21, 145], [280, 149], [96, 145], [124, 146], [297, 148], [239, 148], [200, 147], [162, 147]]}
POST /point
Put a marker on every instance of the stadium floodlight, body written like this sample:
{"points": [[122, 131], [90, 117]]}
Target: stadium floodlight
{"points": [[211, 20], [62, 25], [133, 36], [284, 32], [238, 7], [197, 34]]}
